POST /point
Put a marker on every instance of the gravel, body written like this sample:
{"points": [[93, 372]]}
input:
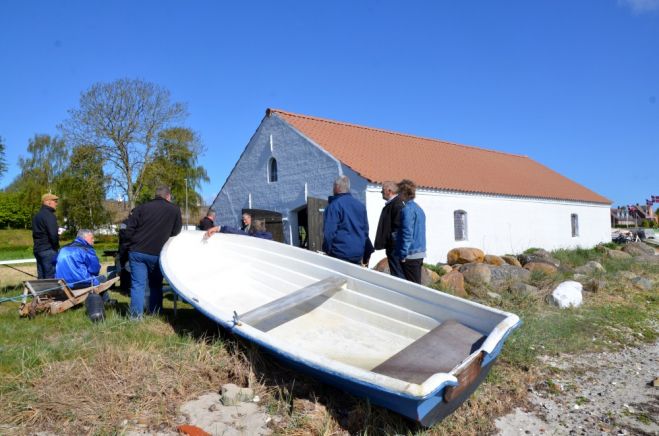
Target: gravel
{"points": [[609, 393]]}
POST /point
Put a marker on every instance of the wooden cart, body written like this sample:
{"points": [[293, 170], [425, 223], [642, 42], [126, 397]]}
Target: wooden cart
{"points": [[55, 296]]}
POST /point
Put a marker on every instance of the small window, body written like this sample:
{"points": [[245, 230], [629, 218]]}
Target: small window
{"points": [[460, 225], [272, 170], [574, 218]]}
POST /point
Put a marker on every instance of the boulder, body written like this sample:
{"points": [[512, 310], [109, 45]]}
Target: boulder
{"points": [[233, 395], [476, 274], [590, 268], [523, 289], [594, 285], [491, 259], [465, 255], [638, 249], [567, 294], [511, 260], [428, 277], [642, 283], [455, 282], [445, 268], [535, 258], [616, 254], [501, 277], [627, 275], [647, 258], [542, 267]]}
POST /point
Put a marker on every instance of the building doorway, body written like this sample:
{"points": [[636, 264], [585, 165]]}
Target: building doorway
{"points": [[273, 222]]}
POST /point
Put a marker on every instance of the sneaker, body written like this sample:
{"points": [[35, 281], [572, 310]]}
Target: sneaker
{"points": [[111, 302]]}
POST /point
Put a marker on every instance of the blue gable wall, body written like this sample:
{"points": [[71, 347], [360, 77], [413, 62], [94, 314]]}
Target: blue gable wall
{"points": [[299, 161]]}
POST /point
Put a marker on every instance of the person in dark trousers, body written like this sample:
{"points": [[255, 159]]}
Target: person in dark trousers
{"points": [[388, 226], [149, 227], [411, 240], [208, 221], [45, 236], [345, 226], [78, 265]]}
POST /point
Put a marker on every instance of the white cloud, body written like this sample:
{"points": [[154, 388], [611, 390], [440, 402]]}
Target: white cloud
{"points": [[641, 6]]}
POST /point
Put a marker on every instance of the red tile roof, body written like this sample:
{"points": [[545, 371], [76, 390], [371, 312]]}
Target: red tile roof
{"points": [[380, 155]]}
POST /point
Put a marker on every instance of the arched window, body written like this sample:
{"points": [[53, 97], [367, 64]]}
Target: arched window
{"points": [[574, 219], [460, 225], [272, 170]]}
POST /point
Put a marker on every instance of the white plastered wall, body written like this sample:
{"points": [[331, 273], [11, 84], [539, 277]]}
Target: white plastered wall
{"points": [[500, 225]]}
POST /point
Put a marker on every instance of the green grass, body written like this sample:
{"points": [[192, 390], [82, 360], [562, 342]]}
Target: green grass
{"points": [[17, 244], [43, 361]]}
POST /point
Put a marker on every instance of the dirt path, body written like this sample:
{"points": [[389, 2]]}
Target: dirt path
{"points": [[607, 393]]}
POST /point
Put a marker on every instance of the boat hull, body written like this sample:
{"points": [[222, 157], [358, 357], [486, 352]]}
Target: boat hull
{"points": [[347, 326]]}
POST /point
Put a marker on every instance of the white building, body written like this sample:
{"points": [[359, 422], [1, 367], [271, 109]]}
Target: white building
{"points": [[499, 202]]}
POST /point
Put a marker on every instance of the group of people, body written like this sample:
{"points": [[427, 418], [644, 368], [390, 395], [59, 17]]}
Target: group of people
{"points": [[401, 233], [250, 227], [401, 228], [144, 234]]}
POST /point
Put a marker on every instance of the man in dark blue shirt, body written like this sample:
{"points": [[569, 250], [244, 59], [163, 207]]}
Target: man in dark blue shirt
{"points": [[345, 226], [45, 236]]}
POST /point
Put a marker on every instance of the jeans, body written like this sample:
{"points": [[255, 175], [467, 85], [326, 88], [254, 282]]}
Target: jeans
{"points": [[45, 264], [395, 267], [144, 268]]}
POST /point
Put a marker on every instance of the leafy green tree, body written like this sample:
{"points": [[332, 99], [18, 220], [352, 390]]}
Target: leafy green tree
{"points": [[123, 119], [3, 161], [83, 187], [13, 212], [175, 164], [40, 170]]}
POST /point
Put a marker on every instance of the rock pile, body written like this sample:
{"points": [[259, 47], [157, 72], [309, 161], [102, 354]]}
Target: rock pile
{"points": [[471, 271]]}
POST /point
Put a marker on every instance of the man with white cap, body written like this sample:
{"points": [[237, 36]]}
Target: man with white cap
{"points": [[45, 236]]}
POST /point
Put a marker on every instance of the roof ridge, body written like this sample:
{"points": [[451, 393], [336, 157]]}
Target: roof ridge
{"points": [[390, 132]]}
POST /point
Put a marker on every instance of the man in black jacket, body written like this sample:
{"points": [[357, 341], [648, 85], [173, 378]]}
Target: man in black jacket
{"points": [[46, 236], [385, 236], [147, 230]]}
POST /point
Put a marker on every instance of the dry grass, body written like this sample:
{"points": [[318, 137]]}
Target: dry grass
{"points": [[141, 373]]}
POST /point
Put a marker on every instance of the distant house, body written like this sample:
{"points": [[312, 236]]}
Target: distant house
{"points": [[499, 202]]}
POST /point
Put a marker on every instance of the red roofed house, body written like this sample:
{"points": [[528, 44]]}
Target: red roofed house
{"points": [[499, 202]]}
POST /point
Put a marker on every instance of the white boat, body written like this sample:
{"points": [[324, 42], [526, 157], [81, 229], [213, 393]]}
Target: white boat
{"points": [[406, 347]]}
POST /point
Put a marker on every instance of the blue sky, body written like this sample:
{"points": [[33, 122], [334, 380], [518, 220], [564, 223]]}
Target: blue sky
{"points": [[572, 84]]}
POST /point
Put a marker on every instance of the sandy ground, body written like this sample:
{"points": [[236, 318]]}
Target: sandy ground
{"points": [[593, 394]]}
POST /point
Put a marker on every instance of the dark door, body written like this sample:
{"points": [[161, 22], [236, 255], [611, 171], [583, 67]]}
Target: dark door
{"points": [[315, 209], [273, 222]]}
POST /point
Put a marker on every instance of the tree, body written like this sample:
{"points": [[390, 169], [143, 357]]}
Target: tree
{"points": [[3, 162], [39, 170], [83, 186], [13, 212], [123, 119], [174, 164]]}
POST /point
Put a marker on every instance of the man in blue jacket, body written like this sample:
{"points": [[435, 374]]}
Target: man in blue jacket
{"points": [[77, 263], [345, 226], [411, 241]]}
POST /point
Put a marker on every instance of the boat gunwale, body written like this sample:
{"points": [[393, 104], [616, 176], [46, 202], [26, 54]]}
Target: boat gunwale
{"points": [[417, 392]]}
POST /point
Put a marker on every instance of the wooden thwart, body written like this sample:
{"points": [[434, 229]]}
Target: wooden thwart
{"points": [[440, 350], [292, 305]]}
